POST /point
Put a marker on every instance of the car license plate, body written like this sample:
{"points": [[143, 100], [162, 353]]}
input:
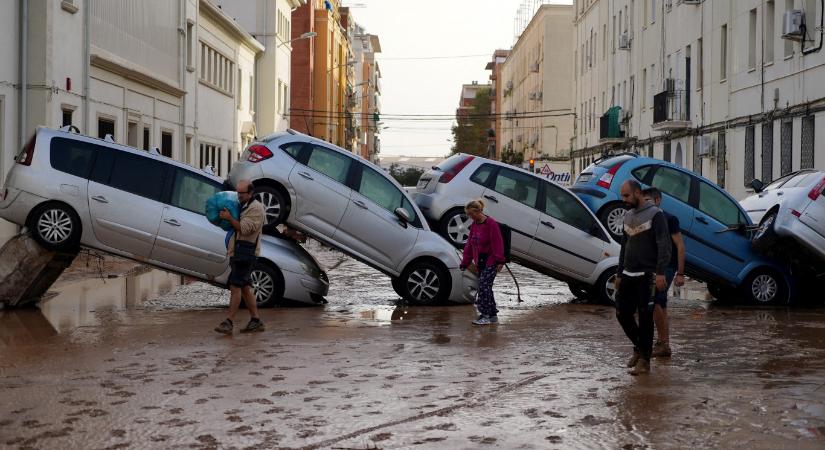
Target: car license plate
{"points": [[422, 183], [584, 178]]}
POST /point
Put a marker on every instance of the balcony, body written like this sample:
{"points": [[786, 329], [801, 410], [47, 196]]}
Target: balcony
{"points": [[671, 110], [610, 132]]}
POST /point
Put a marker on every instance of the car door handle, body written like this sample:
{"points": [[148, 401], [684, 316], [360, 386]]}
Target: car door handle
{"points": [[491, 198], [172, 222], [702, 220], [547, 223], [360, 204], [306, 175], [100, 198]]}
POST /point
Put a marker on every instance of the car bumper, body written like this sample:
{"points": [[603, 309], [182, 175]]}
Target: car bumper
{"points": [[594, 197], [788, 226], [305, 289], [435, 205], [245, 170], [16, 205], [465, 286]]}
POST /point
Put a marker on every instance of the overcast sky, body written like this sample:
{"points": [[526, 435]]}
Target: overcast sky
{"points": [[427, 29]]}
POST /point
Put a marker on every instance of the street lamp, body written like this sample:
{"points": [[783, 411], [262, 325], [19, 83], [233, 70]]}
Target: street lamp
{"points": [[348, 63], [307, 35]]}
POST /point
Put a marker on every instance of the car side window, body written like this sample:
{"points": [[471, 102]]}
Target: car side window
{"points": [[640, 173], [563, 206], [519, 186], [191, 191], [71, 156], [293, 149], [482, 174], [330, 163], [717, 205], [672, 182], [380, 190], [139, 175]]}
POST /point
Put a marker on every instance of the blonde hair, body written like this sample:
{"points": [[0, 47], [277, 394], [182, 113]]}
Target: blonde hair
{"points": [[475, 204]]}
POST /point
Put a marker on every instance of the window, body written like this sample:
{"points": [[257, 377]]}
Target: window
{"points": [[723, 53], [767, 152], [217, 71], [104, 127], [700, 69], [138, 175], [652, 11], [72, 157], [67, 116], [210, 155], [563, 206], [330, 163], [750, 155], [520, 187], [132, 134], [239, 90], [786, 147], [721, 159], [810, 18], [788, 43], [640, 173], [644, 89], [251, 92], [166, 144], [632, 93], [190, 46], [770, 20], [808, 134], [752, 37], [191, 191], [482, 175], [672, 182], [717, 205], [293, 149], [604, 42], [146, 139], [380, 190]]}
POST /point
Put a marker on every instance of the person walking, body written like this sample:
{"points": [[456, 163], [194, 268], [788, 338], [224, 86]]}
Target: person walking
{"points": [[644, 256], [244, 248], [484, 255], [674, 273]]}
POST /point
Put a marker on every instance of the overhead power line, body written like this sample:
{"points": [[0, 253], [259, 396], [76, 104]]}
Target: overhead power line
{"points": [[419, 58]]}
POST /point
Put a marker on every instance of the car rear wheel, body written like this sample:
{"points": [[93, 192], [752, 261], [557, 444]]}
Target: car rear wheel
{"points": [[612, 217], [424, 283], [274, 204], [56, 227], [578, 291], [268, 285], [765, 236], [397, 287], [765, 287], [455, 227]]}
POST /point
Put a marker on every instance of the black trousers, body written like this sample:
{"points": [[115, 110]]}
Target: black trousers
{"points": [[636, 294]]}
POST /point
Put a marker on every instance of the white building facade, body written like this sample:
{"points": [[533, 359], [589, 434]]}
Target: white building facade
{"points": [[709, 85]]}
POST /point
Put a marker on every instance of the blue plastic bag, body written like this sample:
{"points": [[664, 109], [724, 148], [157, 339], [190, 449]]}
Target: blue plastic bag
{"points": [[216, 203], [227, 238]]}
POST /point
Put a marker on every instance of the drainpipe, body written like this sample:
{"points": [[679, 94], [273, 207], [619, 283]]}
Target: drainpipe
{"points": [[183, 73], [821, 31], [24, 70], [86, 62]]}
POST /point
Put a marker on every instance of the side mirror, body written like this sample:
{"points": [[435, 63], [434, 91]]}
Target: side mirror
{"points": [[757, 185], [402, 215]]}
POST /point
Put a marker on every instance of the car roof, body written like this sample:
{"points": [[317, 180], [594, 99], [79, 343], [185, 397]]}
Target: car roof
{"points": [[516, 168]]}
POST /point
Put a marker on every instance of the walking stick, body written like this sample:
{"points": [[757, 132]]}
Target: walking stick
{"points": [[518, 289]]}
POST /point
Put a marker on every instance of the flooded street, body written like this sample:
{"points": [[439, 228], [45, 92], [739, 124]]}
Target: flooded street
{"points": [[121, 364]]}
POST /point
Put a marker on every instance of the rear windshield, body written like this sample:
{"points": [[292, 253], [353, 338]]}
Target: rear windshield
{"points": [[610, 162], [451, 162]]}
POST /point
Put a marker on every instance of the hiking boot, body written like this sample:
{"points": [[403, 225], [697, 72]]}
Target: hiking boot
{"points": [[634, 359], [493, 319], [225, 327], [483, 320], [254, 325], [642, 367], [661, 350]]}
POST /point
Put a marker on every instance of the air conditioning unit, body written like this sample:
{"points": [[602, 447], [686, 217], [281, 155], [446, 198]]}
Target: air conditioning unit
{"points": [[509, 85], [706, 147], [792, 25], [692, 2], [624, 41]]}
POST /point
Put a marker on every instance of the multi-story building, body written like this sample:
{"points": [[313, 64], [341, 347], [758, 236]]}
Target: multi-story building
{"points": [[495, 67], [467, 101], [364, 88], [730, 90], [537, 80]]}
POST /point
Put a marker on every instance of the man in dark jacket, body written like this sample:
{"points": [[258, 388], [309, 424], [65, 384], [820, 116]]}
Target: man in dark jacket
{"points": [[643, 259]]}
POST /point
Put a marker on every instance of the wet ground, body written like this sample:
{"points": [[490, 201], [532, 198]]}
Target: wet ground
{"points": [[133, 363]]}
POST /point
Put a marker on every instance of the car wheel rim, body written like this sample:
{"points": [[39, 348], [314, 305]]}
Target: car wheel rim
{"points": [[615, 221], [765, 226], [458, 228], [423, 284], [271, 205], [263, 285], [764, 288], [610, 288], [55, 226]]}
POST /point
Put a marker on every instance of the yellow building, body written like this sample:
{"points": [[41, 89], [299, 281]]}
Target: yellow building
{"points": [[332, 66]]}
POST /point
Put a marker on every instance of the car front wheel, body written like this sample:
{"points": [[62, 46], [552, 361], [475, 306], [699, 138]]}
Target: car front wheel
{"points": [[765, 236], [56, 227], [424, 283], [605, 289], [612, 217], [765, 287], [268, 285], [577, 290]]}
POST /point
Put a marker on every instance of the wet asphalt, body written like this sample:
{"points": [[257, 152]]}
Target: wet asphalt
{"points": [[104, 365]]}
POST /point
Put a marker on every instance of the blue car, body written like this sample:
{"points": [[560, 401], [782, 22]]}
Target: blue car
{"points": [[716, 230]]}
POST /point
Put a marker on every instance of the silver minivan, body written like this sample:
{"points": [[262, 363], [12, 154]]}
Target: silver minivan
{"points": [[553, 232], [72, 190], [356, 207]]}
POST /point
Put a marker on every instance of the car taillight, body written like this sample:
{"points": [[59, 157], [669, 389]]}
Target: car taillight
{"points": [[447, 176], [258, 153], [607, 178], [25, 157], [796, 213], [817, 190]]}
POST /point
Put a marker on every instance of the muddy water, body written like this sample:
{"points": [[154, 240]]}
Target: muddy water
{"points": [[363, 372]]}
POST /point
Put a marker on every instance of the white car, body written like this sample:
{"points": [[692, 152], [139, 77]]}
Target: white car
{"points": [[791, 208], [354, 206]]}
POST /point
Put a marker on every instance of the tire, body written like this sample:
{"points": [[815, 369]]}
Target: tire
{"points": [[268, 284], [578, 291], [764, 287], [455, 227], [396, 286], [765, 237], [612, 217], [605, 288], [275, 204], [424, 283], [56, 227], [720, 292]]}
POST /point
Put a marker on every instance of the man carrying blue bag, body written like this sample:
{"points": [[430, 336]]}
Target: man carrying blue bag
{"points": [[243, 250]]}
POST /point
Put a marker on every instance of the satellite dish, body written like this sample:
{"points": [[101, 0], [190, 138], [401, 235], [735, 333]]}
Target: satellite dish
{"points": [[109, 138], [209, 170], [154, 151]]}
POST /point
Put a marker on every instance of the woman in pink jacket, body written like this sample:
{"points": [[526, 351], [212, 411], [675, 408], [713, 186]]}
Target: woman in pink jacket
{"points": [[485, 251]]}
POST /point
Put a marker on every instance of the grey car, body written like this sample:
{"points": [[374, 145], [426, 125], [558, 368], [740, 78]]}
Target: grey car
{"points": [[553, 232], [352, 205], [72, 190]]}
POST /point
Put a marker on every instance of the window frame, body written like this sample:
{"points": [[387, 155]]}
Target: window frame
{"points": [[538, 201], [545, 191], [306, 154], [354, 183], [92, 148], [166, 180], [697, 197], [178, 172], [691, 188]]}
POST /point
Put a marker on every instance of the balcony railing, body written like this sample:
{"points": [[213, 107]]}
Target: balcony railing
{"points": [[610, 131], [670, 110]]}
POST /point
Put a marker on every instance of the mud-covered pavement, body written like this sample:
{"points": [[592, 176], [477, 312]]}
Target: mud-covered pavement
{"points": [[362, 372]]}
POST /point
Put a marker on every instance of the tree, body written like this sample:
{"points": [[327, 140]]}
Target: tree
{"points": [[470, 135], [406, 176]]}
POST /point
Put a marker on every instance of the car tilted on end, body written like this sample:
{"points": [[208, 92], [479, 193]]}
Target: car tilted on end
{"points": [[352, 205], [553, 232], [73, 190]]}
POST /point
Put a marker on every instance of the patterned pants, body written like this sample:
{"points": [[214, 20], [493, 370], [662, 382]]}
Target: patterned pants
{"points": [[485, 302]]}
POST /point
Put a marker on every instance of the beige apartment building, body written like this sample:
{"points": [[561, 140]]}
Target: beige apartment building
{"points": [[537, 88], [724, 88]]}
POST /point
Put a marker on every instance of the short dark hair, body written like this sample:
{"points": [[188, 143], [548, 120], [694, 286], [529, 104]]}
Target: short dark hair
{"points": [[652, 192], [634, 185]]}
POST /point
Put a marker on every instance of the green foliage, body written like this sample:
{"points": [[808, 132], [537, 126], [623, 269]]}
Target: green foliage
{"points": [[406, 176], [512, 158], [470, 136]]}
